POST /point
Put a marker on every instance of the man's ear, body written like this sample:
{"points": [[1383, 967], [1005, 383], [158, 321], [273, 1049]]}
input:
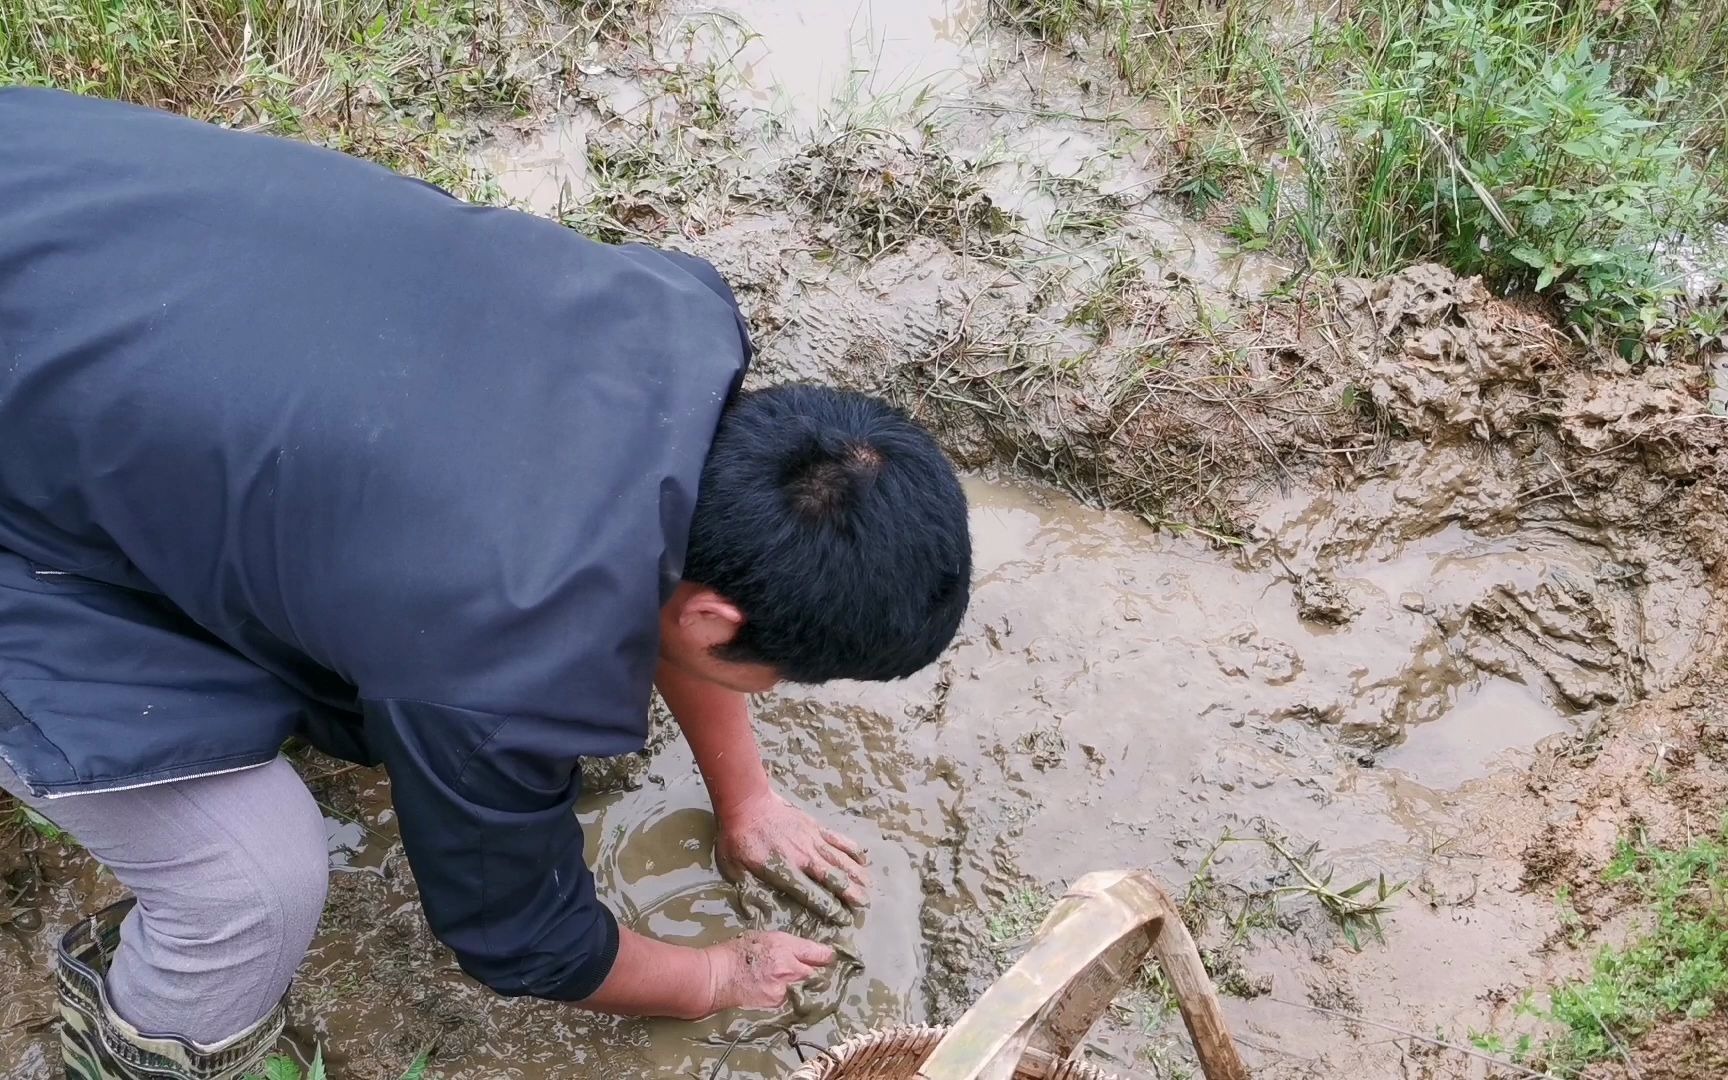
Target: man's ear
{"points": [[711, 618]]}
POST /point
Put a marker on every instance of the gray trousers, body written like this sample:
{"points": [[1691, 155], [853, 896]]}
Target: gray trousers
{"points": [[230, 874]]}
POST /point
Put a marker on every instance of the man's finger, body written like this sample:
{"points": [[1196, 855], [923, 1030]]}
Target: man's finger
{"points": [[733, 870], [791, 972], [814, 952], [842, 883], [850, 866], [823, 901], [848, 845], [755, 901], [800, 888]]}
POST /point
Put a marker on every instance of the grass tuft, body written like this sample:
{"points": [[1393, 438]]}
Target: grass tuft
{"points": [[17, 820], [1013, 923], [385, 79], [1675, 969], [1510, 141], [1053, 20], [285, 1068], [1561, 148]]}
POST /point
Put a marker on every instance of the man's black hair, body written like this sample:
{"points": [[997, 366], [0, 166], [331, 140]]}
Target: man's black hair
{"points": [[838, 527]]}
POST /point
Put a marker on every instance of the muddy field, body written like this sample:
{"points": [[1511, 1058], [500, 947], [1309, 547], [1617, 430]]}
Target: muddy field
{"points": [[1279, 582]]}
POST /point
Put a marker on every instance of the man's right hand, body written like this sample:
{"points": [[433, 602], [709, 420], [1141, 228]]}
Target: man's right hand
{"points": [[752, 971], [755, 970]]}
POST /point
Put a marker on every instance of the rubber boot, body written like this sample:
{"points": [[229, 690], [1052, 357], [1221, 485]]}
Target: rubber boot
{"points": [[98, 1045]]}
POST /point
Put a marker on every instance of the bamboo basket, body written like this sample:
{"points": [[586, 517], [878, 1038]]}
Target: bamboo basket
{"points": [[1028, 1025]]}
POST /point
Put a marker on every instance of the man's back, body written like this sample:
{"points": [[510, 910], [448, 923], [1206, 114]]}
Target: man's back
{"points": [[339, 418]]}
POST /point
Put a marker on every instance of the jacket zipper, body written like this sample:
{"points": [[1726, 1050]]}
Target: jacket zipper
{"points": [[153, 783]]}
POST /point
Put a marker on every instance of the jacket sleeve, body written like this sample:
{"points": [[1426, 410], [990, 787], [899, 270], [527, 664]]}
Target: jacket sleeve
{"points": [[486, 808]]}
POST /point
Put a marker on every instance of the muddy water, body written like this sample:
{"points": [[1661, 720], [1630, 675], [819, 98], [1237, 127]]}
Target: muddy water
{"points": [[797, 64], [1073, 167], [1117, 698], [542, 170]]}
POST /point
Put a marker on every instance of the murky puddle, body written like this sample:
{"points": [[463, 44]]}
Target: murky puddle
{"points": [[799, 64], [1117, 698], [545, 170]]}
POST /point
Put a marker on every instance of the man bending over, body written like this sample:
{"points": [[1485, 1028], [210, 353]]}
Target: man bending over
{"points": [[290, 444]]}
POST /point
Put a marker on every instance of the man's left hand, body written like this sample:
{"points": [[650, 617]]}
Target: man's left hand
{"points": [[769, 838]]}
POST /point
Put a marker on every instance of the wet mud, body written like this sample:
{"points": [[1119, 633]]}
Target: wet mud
{"points": [[1119, 697], [1362, 579]]}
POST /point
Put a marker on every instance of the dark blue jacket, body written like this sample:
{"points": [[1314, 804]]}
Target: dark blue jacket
{"points": [[291, 443]]}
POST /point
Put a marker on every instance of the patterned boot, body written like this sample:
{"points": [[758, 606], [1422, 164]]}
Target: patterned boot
{"points": [[99, 1045]]}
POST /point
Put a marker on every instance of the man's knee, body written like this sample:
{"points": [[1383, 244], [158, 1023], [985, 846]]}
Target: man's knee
{"points": [[223, 920], [289, 889], [290, 863], [257, 893]]}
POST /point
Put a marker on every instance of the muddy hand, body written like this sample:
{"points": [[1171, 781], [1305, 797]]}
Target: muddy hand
{"points": [[757, 970], [770, 839]]}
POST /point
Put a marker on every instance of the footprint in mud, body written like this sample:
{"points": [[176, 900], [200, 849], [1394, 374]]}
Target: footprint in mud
{"points": [[1245, 653]]}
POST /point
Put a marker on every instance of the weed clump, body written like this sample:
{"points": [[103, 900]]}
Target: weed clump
{"points": [[1295, 872], [1052, 20], [1571, 150], [615, 19], [1676, 970], [1148, 394], [285, 1068], [1494, 141], [383, 79], [1021, 912], [876, 190]]}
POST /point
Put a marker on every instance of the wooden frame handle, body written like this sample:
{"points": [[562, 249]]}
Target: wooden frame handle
{"points": [[1091, 945]]}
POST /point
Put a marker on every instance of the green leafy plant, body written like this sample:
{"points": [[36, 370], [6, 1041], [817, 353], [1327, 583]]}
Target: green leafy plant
{"points": [[1553, 147], [1478, 143], [1518, 1049], [1018, 917], [1252, 229], [17, 819], [1676, 968], [1356, 908], [286, 1068], [41, 826]]}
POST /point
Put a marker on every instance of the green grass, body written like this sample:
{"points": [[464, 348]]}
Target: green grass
{"points": [[385, 79], [41, 826], [17, 819], [241, 60], [1018, 917], [1550, 145], [1675, 967], [1510, 140], [1298, 872], [399, 82], [1053, 20], [283, 1068]]}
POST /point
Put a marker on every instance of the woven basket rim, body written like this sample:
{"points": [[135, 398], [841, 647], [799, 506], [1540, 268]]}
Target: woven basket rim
{"points": [[831, 1062]]}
